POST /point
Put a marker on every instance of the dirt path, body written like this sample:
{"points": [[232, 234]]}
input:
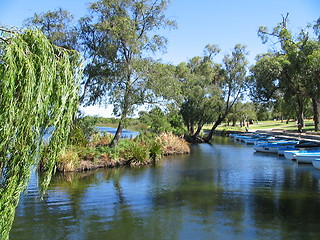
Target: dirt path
{"points": [[280, 132]]}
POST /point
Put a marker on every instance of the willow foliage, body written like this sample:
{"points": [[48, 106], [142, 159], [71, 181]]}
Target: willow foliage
{"points": [[39, 86]]}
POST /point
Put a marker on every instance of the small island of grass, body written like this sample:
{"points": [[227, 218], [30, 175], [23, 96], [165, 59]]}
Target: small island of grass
{"points": [[97, 153]]}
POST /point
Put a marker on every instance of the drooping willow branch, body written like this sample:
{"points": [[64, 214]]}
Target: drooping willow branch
{"points": [[39, 86]]}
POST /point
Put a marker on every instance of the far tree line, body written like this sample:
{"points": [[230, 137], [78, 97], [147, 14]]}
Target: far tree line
{"points": [[117, 39]]}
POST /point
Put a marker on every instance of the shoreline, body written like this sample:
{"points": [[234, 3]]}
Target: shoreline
{"points": [[279, 132]]}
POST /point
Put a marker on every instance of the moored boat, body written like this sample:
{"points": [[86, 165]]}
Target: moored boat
{"points": [[273, 147], [257, 138], [290, 154], [316, 163], [302, 146], [307, 157], [241, 137]]}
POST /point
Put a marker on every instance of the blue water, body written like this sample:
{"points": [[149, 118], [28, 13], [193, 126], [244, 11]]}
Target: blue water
{"points": [[220, 191], [125, 133]]}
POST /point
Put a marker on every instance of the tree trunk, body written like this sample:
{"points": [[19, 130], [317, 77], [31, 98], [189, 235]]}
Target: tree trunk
{"points": [[191, 129], [234, 122], [316, 113], [117, 136], [198, 131], [300, 112], [215, 125]]}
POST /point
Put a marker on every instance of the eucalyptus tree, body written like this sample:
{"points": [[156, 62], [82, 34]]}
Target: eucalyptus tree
{"points": [[294, 67], [243, 112], [117, 38], [233, 84], [200, 93], [311, 70], [192, 87], [38, 89], [272, 83]]}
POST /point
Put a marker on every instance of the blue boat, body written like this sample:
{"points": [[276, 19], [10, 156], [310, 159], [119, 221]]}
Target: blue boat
{"points": [[291, 154], [273, 147]]}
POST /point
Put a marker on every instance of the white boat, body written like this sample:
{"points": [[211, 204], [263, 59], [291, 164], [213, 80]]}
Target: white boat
{"points": [[232, 135], [255, 138], [307, 157], [273, 147], [241, 137], [258, 140], [316, 163], [282, 150], [291, 154], [272, 140]]}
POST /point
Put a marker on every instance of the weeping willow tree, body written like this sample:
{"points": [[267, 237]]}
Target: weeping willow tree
{"points": [[39, 85]]}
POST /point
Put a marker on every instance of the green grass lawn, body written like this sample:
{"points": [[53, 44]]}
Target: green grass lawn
{"points": [[291, 126]]}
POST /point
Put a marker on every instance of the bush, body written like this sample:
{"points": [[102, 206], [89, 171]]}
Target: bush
{"points": [[68, 160], [99, 139], [82, 129], [173, 144], [137, 153], [155, 150]]}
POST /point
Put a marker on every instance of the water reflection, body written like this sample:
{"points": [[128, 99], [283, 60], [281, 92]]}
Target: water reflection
{"points": [[220, 191]]}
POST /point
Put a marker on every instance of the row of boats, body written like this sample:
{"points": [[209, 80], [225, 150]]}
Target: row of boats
{"points": [[300, 150]]}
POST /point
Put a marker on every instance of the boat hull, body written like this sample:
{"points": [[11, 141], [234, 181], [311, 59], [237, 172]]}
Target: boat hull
{"points": [[274, 147], [306, 157], [316, 163], [290, 154]]}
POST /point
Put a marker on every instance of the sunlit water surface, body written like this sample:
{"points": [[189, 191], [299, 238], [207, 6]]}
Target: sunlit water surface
{"points": [[219, 191]]}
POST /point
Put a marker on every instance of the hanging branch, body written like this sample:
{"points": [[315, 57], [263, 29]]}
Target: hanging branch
{"points": [[38, 90]]}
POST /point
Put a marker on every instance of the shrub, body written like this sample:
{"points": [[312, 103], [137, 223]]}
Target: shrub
{"points": [[173, 144], [99, 139], [155, 150], [137, 153], [68, 160]]}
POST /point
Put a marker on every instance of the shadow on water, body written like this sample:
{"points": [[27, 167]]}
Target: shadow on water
{"points": [[219, 191]]}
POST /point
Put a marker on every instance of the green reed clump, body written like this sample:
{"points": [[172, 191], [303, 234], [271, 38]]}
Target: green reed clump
{"points": [[39, 85], [136, 152], [68, 159]]}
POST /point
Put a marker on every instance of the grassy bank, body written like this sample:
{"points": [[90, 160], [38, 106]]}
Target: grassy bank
{"points": [[133, 152], [263, 125]]}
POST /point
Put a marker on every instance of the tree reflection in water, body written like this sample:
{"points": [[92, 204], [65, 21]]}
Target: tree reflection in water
{"points": [[220, 191]]}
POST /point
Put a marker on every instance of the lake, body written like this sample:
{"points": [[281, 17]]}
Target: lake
{"points": [[219, 191]]}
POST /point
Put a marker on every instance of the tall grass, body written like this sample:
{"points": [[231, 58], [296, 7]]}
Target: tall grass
{"points": [[173, 145], [144, 149]]}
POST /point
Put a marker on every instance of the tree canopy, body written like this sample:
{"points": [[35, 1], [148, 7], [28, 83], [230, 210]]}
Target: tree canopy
{"points": [[291, 70], [118, 38]]}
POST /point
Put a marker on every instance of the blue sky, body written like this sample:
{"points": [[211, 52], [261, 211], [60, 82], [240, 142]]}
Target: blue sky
{"points": [[200, 22]]}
